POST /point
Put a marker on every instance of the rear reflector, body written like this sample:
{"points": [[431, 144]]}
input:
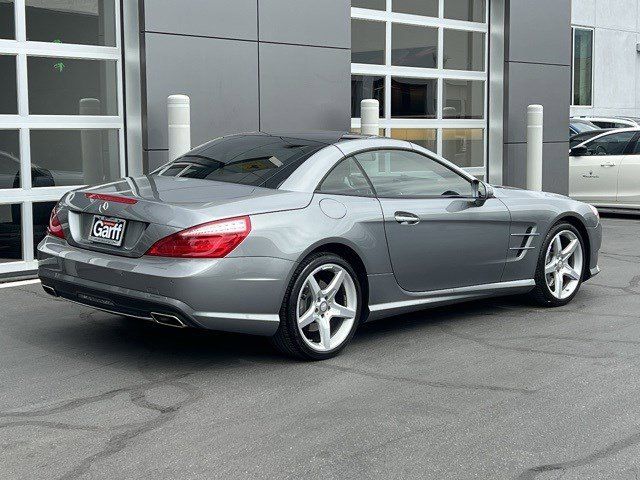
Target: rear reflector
{"points": [[111, 198], [209, 240]]}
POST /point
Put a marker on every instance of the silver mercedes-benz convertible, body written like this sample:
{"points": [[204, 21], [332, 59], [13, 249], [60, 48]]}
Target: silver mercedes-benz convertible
{"points": [[304, 237]]}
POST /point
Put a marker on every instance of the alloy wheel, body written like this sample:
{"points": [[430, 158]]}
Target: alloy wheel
{"points": [[327, 307], [563, 264]]}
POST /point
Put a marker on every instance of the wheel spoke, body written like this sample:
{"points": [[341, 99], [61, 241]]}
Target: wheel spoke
{"points": [[557, 245], [341, 311], [567, 252], [558, 286], [571, 273], [314, 287], [325, 332], [307, 317], [551, 267], [332, 289]]}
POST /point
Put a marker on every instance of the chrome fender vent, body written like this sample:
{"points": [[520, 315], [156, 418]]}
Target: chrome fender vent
{"points": [[522, 242]]}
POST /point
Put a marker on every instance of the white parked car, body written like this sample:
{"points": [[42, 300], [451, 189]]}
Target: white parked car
{"points": [[612, 122], [605, 170]]}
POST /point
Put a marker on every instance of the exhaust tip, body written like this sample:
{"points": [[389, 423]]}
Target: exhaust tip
{"points": [[50, 290], [167, 320]]}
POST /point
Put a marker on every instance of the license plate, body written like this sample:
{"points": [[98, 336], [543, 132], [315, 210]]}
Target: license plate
{"points": [[107, 230]]}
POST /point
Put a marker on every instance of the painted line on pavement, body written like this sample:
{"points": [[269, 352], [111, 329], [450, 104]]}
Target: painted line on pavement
{"points": [[19, 283]]}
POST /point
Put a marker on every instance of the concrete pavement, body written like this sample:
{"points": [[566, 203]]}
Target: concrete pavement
{"points": [[491, 389]]}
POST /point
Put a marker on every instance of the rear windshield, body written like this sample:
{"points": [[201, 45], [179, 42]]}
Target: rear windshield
{"points": [[584, 126], [258, 160]]}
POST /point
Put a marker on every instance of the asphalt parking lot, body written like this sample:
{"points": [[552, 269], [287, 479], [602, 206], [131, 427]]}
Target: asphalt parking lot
{"points": [[491, 389]]}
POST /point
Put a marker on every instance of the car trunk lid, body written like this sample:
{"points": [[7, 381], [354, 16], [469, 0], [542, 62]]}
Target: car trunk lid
{"points": [[155, 206]]}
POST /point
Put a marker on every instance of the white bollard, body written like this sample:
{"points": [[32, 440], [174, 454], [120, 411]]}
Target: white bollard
{"points": [[179, 119], [535, 122], [370, 117]]}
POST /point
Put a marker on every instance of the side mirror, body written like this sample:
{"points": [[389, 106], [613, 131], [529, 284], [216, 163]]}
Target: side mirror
{"points": [[580, 151], [480, 192]]}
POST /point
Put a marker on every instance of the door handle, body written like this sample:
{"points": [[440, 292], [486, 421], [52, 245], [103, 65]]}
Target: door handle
{"points": [[608, 165], [405, 218]]}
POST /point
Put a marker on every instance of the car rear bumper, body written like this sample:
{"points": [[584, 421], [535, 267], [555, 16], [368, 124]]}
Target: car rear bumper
{"points": [[241, 295]]}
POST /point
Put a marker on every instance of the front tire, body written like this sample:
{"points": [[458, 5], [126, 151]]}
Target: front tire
{"points": [[561, 266], [321, 309]]}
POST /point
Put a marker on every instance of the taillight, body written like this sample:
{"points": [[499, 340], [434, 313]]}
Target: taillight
{"points": [[55, 227], [209, 240]]}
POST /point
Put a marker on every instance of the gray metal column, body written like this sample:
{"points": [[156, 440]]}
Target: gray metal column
{"points": [[537, 70]]}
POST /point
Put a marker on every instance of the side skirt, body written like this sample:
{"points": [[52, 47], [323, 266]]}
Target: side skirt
{"points": [[448, 296]]}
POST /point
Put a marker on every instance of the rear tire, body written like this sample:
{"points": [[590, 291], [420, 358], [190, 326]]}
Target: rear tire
{"points": [[561, 266], [321, 309]]}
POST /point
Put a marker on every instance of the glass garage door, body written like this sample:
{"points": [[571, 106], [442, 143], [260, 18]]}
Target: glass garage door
{"points": [[426, 63], [61, 120]]}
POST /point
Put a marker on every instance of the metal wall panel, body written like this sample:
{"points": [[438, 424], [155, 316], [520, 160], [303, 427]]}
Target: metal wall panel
{"points": [[547, 85], [539, 31], [220, 76], [209, 18], [156, 158], [306, 22], [304, 88], [208, 49]]}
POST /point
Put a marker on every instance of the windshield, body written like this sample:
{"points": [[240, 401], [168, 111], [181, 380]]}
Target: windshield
{"points": [[255, 159]]}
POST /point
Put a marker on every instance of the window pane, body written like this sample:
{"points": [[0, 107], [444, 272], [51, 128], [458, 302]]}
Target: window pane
{"points": [[468, 10], [414, 97], [41, 212], [10, 233], [614, 144], [464, 146], [399, 173], [363, 87], [346, 179], [428, 8], [582, 67], [74, 157], [7, 19], [87, 22], [463, 50], [67, 86], [425, 137], [463, 99], [372, 4], [413, 46], [8, 85], [9, 159], [367, 42]]}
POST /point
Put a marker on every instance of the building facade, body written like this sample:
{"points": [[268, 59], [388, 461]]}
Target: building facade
{"points": [[83, 85], [606, 58]]}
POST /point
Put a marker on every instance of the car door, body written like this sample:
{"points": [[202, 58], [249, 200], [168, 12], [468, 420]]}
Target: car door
{"points": [[438, 237], [629, 176], [593, 175]]}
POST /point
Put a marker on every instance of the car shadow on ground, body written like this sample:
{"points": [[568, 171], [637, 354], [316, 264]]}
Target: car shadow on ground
{"points": [[105, 335]]}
